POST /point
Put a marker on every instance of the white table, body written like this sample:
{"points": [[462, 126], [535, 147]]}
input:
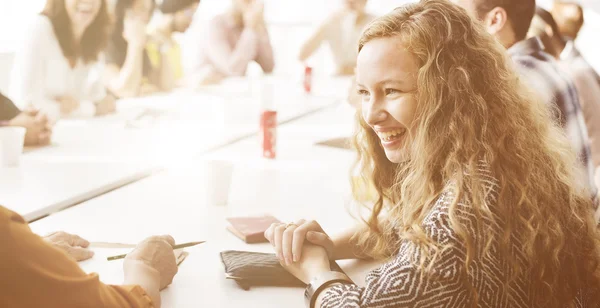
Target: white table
{"points": [[38, 188], [305, 181], [101, 154], [183, 124]]}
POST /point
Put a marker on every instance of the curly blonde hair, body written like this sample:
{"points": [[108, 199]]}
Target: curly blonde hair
{"points": [[472, 107]]}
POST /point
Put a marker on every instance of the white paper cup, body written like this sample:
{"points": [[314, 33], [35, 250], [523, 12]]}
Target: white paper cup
{"points": [[218, 176], [11, 145]]}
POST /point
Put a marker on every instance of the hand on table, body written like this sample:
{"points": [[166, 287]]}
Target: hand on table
{"points": [[73, 245], [107, 105], [156, 253], [38, 128], [288, 239], [314, 261], [67, 104]]}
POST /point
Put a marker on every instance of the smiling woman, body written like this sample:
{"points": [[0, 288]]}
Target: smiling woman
{"points": [[473, 180], [57, 69]]}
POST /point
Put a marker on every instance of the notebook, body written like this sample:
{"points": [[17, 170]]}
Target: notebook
{"points": [[251, 229]]}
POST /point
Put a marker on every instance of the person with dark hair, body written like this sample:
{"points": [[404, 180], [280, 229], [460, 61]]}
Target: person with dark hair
{"points": [[38, 128], [231, 41], [584, 76], [569, 17], [163, 50], [509, 22], [128, 68], [57, 70]]}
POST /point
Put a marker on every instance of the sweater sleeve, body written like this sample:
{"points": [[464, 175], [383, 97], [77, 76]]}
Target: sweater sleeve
{"points": [[8, 110], [29, 266]]}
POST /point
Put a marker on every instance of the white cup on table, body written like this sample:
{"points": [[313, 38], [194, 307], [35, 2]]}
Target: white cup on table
{"points": [[11, 145], [218, 175]]}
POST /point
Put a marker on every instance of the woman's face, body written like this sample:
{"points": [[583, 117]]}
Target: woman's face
{"points": [[82, 12], [386, 77]]}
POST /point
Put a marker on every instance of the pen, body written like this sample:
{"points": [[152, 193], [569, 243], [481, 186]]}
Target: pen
{"points": [[190, 244]]}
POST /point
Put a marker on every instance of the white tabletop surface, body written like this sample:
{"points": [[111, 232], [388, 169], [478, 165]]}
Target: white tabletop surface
{"points": [[89, 157], [37, 188], [181, 124], [305, 181]]}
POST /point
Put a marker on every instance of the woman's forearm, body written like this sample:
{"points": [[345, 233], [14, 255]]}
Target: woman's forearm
{"points": [[126, 82]]}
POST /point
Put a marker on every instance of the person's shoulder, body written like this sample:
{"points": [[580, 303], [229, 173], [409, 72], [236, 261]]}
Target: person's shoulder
{"points": [[41, 24]]}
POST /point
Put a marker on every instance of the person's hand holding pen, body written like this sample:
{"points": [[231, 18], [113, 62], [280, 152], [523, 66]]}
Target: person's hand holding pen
{"points": [[151, 265]]}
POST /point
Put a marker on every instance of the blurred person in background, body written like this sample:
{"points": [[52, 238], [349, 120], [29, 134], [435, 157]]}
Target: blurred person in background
{"points": [[57, 70], [340, 32], [36, 272], [128, 68], [569, 17], [38, 128], [509, 22], [583, 74], [163, 50], [231, 41]]}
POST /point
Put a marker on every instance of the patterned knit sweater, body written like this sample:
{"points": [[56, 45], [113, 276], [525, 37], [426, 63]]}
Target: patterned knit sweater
{"points": [[400, 283]]}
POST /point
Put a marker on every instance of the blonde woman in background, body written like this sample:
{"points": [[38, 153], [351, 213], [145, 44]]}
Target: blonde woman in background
{"points": [[478, 205]]}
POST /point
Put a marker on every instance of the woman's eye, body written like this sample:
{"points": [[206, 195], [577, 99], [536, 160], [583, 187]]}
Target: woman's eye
{"points": [[362, 92], [391, 91]]}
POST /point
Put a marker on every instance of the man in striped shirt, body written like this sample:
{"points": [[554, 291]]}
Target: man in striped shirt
{"points": [[509, 21]]}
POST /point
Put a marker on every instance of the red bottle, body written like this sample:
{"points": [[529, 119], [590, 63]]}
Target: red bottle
{"points": [[268, 121], [268, 133], [307, 78]]}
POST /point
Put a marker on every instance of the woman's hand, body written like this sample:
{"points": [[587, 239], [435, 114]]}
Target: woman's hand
{"points": [[73, 245], [67, 104], [314, 261], [288, 239], [134, 30], [152, 266], [254, 15], [38, 128], [106, 105]]}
